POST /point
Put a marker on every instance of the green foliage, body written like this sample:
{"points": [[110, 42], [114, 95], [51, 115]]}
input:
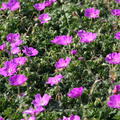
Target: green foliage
{"points": [[67, 18]]}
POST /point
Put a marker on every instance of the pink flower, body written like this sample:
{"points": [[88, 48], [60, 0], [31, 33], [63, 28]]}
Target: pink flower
{"points": [[80, 58], [39, 6], [9, 69], [11, 5], [19, 60], [17, 80], [62, 40], [1, 118], [44, 18], [54, 80], [72, 117], [35, 111], [73, 52], [41, 101], [14, 39], [92, 13], [32, 118], [86, 37], [117, 35], [62, 63], [30, 51], [3, 46], [49, 3], [115, 12], [113, 58], [52, 1], [116, 89], [15, 50], [4, 6], [117, 1], [75, 92], [114, 101]]}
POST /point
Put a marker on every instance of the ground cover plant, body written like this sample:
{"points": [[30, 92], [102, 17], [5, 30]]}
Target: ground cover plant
{"points": [[59, 59]]}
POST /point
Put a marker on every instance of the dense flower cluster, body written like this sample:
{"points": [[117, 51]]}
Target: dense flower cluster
{"points": [[10, 68], [39, 102]]}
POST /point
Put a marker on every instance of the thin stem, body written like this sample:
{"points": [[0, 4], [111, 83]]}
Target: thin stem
{"points": [[18, 90]]}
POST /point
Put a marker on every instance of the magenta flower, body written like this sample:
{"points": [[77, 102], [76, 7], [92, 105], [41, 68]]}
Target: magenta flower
{"points": [[35, 111], [54, 80], [72, 117], [92, 13], [44, 18], [3, 46], [86, 37], [30, 111], [20, 60], [15, 50], [11, 5], [62, 40], [73, 52], [52, 1], [80, 58], [115, 12], [9, 69], [41, 101], [49, 3], [4, 6], [117, 35], [75, 92], [113, 58], [117, 1], [116, 89], [30, 51], [14, 39], [17, 80], [32, 118], [114, 101], [39, 6], [62, 63], [1, 118]]}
